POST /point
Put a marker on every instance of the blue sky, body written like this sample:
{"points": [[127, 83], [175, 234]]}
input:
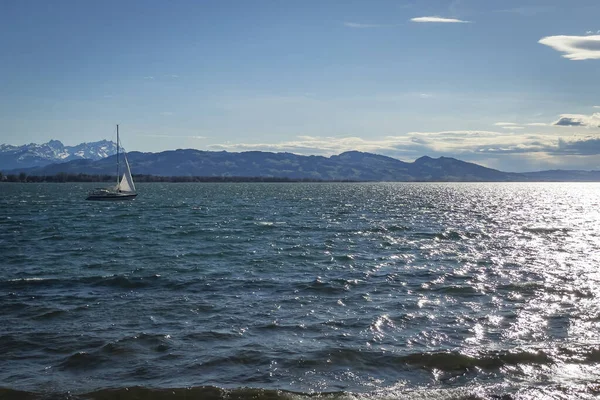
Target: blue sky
{"points": [[508, 84]]}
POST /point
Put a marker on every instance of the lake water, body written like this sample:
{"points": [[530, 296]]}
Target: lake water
{"points": [[285, 291]]}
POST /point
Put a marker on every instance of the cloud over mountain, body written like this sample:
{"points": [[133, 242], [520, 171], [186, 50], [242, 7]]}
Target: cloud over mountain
{"points": [[585, 147]]}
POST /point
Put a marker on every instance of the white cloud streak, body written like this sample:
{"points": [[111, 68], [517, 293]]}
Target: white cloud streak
{"points": [[576, 48], [509, 126], [439, 20]]}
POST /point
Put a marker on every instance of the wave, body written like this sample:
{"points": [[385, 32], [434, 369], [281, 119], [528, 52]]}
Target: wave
{"points": [[143, 342], [334, 286], [458, 290], [151, 341], [118, 281], [446, 361], [472, 392], [10, 343], [82, 361], [451, 235], [546, 230], [454, 361], [50, 314], [388, 228], [137, 393], [217, 393], [125, 282]]}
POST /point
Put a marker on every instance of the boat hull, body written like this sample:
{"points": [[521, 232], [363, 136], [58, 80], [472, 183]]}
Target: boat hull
{"points": [[112, 197]]}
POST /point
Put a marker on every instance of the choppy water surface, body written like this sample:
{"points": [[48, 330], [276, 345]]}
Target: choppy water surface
{"points": [[290, 290]]}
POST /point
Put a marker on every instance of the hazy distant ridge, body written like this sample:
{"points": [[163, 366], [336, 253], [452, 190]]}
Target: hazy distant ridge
{"points": [[352, 165]]}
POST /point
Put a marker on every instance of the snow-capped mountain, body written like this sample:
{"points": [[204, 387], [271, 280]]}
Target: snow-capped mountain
{"points": [[39, 155]]}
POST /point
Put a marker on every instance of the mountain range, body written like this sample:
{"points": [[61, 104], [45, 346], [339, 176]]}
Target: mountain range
{"points": [[40, 155], [348, 166]]}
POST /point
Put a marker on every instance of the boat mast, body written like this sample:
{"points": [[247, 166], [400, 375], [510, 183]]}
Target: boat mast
{"points": [[117, 156]]}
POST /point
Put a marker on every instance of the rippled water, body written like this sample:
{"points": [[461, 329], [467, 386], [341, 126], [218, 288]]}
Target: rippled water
{"points": [[287, 290]]}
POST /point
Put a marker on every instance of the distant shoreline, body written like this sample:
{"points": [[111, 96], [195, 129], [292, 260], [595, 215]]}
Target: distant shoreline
{"points": [[85, 178], [107, 179]]}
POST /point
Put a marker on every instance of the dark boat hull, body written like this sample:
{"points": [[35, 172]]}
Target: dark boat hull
{"points": [[112, 197]]}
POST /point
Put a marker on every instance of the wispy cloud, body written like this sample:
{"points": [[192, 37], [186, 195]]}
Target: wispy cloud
{"points": [[358, 25], [439, 20], [575, 47], [596, 106], [167, 113], [485, 142], [509, 125], [149, 78], [323, 145], [591, 121], [418, 143], [503, 150], [538, 124]]}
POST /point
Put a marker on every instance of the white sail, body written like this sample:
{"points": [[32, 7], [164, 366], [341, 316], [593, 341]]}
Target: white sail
{"points": [[126, 184]]}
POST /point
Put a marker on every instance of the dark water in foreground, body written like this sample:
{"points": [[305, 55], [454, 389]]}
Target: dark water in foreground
{"points": [[285, 291]]}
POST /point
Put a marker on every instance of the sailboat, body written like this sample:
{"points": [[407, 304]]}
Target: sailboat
{"points": [[125, 189]]}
